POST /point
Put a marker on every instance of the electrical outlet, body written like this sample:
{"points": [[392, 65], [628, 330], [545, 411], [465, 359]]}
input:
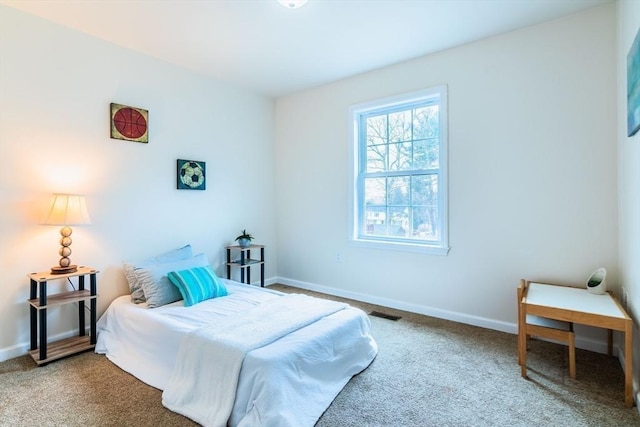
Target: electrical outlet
{"points": [[625, 298], [338, 256]]}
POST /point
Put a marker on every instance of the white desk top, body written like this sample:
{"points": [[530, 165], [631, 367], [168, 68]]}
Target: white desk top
{"points": [[574, 299]]}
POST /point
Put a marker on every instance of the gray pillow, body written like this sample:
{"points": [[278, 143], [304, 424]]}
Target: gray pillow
{"points": [[157, 288], [135, 287]]}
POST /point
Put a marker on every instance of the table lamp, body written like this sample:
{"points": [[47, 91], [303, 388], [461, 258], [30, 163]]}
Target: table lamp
{"points": [[67, 210]]}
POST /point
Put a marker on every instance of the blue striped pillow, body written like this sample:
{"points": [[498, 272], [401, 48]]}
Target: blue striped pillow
{"points": [[197, 284]]}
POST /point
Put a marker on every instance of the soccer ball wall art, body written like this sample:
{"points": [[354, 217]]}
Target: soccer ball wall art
{"points": [[191, 175]]}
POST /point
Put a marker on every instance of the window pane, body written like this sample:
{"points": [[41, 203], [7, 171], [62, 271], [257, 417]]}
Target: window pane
{"points": [[425, 207], [400, 126], [376, 158], [425, 223], [424, 190], [433, 153], [420, 158], [426, 122], [375, 206], [375, 192], [376, 221], [398, 222], [398, 191], [377, 130], [426, 154], [400, 156]]}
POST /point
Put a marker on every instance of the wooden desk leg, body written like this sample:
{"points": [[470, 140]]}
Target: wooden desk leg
{"points": [[610, 342], [572, 356], [628, 364], [522, 341]]}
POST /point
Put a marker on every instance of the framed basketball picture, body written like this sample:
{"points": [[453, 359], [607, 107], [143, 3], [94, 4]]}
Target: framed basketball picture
{"points": [[129, 123], [191, 175]]}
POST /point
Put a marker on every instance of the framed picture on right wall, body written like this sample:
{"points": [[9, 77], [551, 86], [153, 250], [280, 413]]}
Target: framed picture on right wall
{"points": [[633, 87]]}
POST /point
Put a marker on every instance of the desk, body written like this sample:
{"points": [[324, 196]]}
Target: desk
{"points": [[43, 352], [577, 305], [245, 262]]}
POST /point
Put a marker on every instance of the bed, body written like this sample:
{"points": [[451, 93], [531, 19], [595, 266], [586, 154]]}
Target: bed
{"points": [[287, 378]]}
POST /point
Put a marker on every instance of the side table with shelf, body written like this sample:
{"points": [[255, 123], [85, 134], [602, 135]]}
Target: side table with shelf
{"points": [[39, 301], [245, 262]]}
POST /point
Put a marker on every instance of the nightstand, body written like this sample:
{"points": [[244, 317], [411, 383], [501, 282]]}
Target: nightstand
{"points": [[244, 262], [39, 303]]}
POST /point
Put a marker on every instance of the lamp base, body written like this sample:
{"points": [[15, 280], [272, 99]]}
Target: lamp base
{"points": [[64, 270]]}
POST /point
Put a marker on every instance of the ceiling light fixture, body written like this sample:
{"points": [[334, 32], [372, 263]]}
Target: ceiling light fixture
{"points": [[292, 4]]}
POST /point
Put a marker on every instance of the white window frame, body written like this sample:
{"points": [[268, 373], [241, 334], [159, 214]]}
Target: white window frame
{"points": [[356, 202]]}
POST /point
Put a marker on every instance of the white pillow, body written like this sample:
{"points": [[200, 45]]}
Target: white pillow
{"points": [[156, 286], [137, 294]]}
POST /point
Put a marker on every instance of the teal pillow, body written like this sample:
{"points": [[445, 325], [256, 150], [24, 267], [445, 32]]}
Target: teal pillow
{"points": [[197, 284]]}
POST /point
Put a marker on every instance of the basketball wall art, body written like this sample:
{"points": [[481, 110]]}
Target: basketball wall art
{"points": [[129, 123], [191, 175]]}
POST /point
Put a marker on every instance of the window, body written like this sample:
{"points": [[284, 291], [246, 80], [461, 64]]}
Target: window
{"points": [[398, 170]]}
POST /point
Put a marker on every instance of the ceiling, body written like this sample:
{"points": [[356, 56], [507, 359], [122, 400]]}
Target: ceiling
{"points": [[269, 49]]}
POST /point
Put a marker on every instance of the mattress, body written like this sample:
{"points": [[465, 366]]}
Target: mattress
{"points": [[289, 382]]}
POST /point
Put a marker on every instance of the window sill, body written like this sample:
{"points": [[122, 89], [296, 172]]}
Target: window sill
{"points": [[401, 246]]}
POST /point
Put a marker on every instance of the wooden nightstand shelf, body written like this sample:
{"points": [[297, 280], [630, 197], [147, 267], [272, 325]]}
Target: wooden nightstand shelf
{"points": [[39, 303], [245, 262]]}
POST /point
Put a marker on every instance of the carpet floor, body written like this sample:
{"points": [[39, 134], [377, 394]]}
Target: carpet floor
{"points": [[429, 372]]}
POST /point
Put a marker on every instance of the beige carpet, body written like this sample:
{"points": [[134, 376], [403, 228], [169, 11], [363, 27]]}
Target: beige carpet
{"points": [[429, 372]]}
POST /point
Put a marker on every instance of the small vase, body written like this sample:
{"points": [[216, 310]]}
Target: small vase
{"points": [[597, 283], [244, 243]]}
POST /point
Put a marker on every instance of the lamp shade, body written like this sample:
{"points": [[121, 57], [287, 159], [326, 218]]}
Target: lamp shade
{"points": [[68, 209]]}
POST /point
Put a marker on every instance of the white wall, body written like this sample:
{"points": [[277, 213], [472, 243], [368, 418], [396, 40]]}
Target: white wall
{"points": [[629, 179], [55, 89], [532, 182]]}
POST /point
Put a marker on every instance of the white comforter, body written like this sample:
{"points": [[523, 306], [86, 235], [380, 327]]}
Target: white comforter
{"points": [[189, 390], [288, 382]]}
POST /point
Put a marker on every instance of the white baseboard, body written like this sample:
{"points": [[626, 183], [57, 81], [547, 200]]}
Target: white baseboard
{"points": [[483, 322], [401, 305], [23, 348], [13, 351]]}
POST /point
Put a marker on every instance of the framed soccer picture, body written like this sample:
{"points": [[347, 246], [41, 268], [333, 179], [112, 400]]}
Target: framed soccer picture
{"points": [[129, 123], [191, 175]]}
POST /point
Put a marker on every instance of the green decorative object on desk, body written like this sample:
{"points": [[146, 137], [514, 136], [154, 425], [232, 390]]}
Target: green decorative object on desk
{"points": [[244, 240]]}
